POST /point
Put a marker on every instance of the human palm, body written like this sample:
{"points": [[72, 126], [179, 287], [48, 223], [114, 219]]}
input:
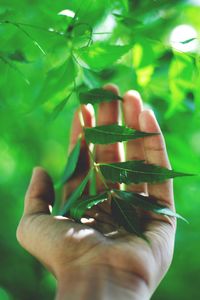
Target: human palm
{"points": [[63, 245]]}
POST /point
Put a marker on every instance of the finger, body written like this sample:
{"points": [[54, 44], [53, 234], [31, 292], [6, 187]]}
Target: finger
{"points": [[132, 107], [108, 113], [83, 164], [156, 153], [77, 129], [40, 194]]}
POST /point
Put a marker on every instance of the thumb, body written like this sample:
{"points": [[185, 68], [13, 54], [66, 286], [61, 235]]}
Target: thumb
{"points": [[40, 193]]}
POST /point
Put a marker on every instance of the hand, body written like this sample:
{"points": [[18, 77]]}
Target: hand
{"points": [[120, 265]]}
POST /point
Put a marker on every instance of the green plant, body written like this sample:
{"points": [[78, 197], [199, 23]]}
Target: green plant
{"points": [[124, 204], [35, 90]]}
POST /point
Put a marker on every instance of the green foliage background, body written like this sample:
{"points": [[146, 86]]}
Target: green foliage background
{"points": [[33, 132]]}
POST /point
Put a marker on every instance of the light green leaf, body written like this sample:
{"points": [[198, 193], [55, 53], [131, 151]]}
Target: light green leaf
{"points": [[85, 203], [97, 96], [128, 20], [146, 203], [137, 172], [29, 36], [75, 196], [60, 107], [71, 164], [108, 134], [126, 215], [100, 55], [58, 81], [13, 66]]}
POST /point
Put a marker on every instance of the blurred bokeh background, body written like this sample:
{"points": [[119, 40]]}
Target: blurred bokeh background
{"points": [[45, 45]]}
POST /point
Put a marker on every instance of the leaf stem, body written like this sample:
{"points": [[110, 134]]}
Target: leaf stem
{"points": [[95, 165]]}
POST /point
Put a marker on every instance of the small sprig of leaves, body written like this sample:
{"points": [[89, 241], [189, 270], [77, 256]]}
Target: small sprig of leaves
{"points": [[124, 205]]}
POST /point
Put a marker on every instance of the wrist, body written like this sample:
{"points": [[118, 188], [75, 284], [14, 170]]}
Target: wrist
{"points": [[99, 283]]}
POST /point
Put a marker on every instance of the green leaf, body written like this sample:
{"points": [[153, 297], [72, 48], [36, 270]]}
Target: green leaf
{"points": [[126, 215], [29, 36], [71, 164], [146, 203], [188, 41], [57, 81], [109, 134], [75, 196], [18, 56], [85, 203], [13, 66], [137, 172], [97, 96], [100, 55], [128, 20], [59, 107]]}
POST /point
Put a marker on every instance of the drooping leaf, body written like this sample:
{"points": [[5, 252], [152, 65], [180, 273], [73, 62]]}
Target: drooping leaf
{"points": [[100, 55], [126, 215], [19, 26], [60, 107], [108, 134], [146, 203], [13, 66], [85, 203], [137, 172], [71, 164], [75, 196], [97, 96], [58, 80]]}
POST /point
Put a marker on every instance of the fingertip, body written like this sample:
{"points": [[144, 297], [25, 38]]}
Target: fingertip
{"points": [[40, 193], [132, 107], [111, 87], [148, 121], [133, 96]]}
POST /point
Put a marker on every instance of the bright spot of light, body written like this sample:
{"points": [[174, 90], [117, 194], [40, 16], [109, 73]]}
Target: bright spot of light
{"points": [[195, 2], [103, 31], [87, 221], [67, 13], [184, 38], [79, 233]]}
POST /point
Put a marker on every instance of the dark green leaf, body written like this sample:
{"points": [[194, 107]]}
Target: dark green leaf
{"points": [[71, 164], [75, 196], [188, 41], [85, 203], [127, 216], [108, 134], [100, 55], [97, 96], [137, 172], [146, 203], [18, 56]]}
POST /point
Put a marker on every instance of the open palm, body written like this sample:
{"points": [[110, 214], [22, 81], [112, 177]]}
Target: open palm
{"points": [[63, 245]]}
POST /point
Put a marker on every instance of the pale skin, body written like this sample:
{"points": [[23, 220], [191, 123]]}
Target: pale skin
{"points": [[87, 262]]}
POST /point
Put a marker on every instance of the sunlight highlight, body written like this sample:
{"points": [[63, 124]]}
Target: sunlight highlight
{"points": [[184, 38]]}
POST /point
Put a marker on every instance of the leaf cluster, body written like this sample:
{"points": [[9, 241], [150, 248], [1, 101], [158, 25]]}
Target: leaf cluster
{"points": [[124, 204]]}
